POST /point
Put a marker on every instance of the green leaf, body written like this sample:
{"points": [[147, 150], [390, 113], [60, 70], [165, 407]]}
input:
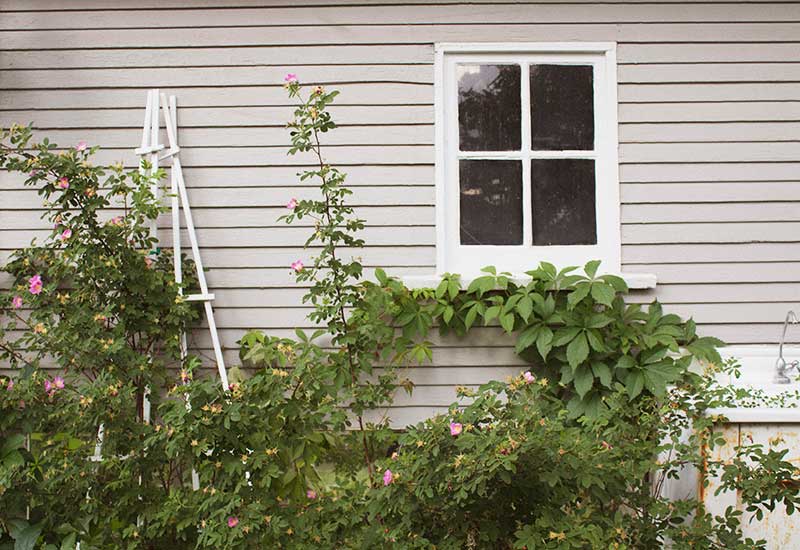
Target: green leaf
{"points": [[625, 362], [453, 288], [27, 537], [602, 372], [634, 383], [448, 314], [469, 319], [380, 274], [618, 283], [603, 294], [490, 314], [577, 350], [544, 342], [507, 322], [69, 542], [591, 268], [441, 289], [584, 379], [525, 307], [595, 340], [580, 292], [527, 337], [564, 335]]}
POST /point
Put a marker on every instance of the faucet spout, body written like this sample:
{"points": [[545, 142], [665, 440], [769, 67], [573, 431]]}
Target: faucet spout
{"points": [[781, 366]]}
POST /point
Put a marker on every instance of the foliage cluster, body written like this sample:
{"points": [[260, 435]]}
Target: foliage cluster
{"points": [[572, 453]]}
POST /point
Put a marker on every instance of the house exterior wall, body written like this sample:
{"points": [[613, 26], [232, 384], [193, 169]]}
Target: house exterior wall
{"points": [[709, 130]]}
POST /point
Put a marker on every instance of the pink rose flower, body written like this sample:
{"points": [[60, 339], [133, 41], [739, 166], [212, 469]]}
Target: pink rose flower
{"points": [[81, 146], [48, 387], [311, 494], [116, 220], [33, 173], [35, 284], [233, 521], [456, 428], [16, 301], [58, 383], [66, 234], [529, 378], [10, 385], [290, 78], [292, 204], [297, 265], [63, 183], [388, 477]]}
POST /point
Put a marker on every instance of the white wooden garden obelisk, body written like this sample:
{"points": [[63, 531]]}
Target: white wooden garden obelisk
{"points": [[179, 201]]}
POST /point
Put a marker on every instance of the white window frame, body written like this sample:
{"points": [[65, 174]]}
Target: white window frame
{"points": [[453, 257]]}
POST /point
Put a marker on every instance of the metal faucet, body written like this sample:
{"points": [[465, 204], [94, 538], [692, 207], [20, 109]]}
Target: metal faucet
{"points": [[781, 366]]}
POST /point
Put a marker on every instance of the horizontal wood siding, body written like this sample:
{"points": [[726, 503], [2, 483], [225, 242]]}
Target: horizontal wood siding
{"points": [[709, 140]]}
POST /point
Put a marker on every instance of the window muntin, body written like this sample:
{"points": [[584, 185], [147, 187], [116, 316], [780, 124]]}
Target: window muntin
{"points": [[556, 135]]}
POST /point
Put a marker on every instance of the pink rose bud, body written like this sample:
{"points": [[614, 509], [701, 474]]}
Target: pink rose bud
{"points": [[456, 428], [606, 445], [81, 146], [388, 477], [297, 265], [233, 521], [292, 204], [16, 301], [529, 378], [66, 234], [10, 385], [311, 494], [63, 183]]}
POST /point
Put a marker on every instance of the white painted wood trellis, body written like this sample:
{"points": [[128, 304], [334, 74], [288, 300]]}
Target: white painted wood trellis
{"points": [[179, 200]]}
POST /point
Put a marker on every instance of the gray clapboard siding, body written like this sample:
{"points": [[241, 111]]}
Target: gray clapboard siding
{"points": [[275, 56], [398, 14], [709, 131], [643, 32]]}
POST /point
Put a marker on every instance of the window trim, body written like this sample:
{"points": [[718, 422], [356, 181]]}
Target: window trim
{"points": [[607, 179]]}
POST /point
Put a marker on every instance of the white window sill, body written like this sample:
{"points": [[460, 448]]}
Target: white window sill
{"points": [[635, 281]]}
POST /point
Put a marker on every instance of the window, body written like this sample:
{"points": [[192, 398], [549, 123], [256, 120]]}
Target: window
{"points": [[526, 138]]}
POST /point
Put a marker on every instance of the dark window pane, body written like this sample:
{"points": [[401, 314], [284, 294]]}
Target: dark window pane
{"points": [[489, 109], [490, 201], [563, 209], [562, 107]]}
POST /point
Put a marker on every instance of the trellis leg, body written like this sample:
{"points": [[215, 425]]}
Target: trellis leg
{"points": [[204, 295]]}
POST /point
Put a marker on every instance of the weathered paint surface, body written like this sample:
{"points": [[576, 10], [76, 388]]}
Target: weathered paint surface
{"points": [[777, 528]]}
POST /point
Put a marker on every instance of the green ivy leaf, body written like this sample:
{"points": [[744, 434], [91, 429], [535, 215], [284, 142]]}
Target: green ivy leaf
{"points": [[527, 337], [591, 268], [490, 314], [634, 383], [603, 293], [577, 295], [469, 318], [564, 335], [525, 307], [544, 342], [603, 373], [507, 322], [584, 379], [440, 290], [578, 350]]}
